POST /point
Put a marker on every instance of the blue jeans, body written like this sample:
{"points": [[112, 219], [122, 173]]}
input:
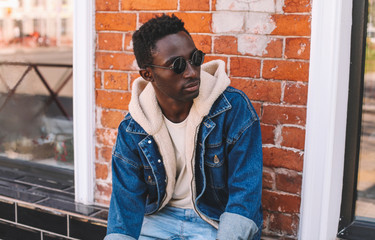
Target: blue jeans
{"points": [[172, 223]]}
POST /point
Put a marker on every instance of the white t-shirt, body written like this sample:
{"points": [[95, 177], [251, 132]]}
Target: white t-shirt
{"points": [[182, 192]]}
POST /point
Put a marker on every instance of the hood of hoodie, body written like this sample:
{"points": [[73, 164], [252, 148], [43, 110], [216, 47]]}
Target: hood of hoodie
{"points": [[145, 110]]}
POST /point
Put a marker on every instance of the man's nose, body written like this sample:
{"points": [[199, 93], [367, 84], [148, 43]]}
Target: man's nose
{"points": [[190, 71]]}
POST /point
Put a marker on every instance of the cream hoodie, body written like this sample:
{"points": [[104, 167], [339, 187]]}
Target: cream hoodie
{"points": [[146, 112]]}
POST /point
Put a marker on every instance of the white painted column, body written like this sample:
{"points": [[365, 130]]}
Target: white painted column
{"points": [[84, 100], [326, 119]]}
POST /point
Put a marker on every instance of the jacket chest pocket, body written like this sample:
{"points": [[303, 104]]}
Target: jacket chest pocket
{"points": [[215, 167]]}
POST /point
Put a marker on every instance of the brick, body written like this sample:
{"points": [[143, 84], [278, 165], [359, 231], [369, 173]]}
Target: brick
{"points": [[97, 150], [279, 6], [106, 137], [228, 22], [103, 189], [128, 43], [259, 23], [98, 80], [297, 6], [116, 61], [209, 58], [258, 45], [188, 5], [106, 5], [213, 5], [277, 157], [244, 67], [258, 107], [288, 181], [105, 154], [274, 48], [196, 22], [145, 16], [116, 80], [295, 93], [284, 223], [101, 171], [149, 5], [292, 25], [113, 100], [259, 90], [99, 200], [253, 45], [293, 137], [279, 202], [268, 134], [268, 178], [111, 119], [115, 21], [238, 5], [285, 70], [232, 5], [262, 6], [225, 45], [100, 154], [283, 115], [266, 217], [202, 42], [133, 77], [110, 41], [297, 48]]}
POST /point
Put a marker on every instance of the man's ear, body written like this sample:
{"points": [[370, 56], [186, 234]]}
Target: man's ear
{"points": [[146, 74]]}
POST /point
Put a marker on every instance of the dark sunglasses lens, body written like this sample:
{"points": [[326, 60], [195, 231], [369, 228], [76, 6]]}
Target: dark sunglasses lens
{"points": [[197, 58], [179, 65]]}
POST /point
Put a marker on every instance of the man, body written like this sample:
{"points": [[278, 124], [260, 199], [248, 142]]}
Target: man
{"points": [[187, 163]]}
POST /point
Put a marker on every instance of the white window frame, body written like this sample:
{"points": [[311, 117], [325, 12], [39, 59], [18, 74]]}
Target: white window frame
{"points": [[326, 119], [84, 100]]}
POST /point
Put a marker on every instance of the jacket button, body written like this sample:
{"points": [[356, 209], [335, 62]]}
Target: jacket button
{"points": [[159, 161], [149, 141], [216, 159]]}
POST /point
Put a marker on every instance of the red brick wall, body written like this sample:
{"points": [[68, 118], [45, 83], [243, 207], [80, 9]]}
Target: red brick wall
{"points": [[266, 47]]}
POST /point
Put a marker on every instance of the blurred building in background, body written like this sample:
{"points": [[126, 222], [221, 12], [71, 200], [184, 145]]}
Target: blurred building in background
{"points": [[35, 23]]}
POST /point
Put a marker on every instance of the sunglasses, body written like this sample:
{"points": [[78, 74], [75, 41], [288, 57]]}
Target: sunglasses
{"points": [[179, 64]]}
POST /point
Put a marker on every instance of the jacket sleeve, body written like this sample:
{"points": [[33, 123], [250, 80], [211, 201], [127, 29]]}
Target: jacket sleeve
{"points": [[127, 204], [242, 218]]}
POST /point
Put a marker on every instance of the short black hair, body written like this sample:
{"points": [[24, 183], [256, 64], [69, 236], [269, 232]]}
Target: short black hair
{"points": [[144, 39]]}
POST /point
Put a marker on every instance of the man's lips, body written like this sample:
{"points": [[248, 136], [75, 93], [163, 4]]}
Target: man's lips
{"points": [[192, 86]]}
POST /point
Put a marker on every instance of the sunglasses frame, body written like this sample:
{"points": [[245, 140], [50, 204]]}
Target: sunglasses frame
{"points": [[173, 64]]}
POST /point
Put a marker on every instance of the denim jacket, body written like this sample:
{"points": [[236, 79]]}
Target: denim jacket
{"points": [[227, 169]]}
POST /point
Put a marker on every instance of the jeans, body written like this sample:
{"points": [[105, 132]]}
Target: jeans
{"points": [[176, 223]]}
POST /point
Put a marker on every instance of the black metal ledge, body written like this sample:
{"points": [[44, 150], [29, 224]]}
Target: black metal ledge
{"points": [[37, 202], [358, 230]]}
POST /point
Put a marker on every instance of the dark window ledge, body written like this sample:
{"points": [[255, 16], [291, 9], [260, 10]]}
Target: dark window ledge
{"points": [[358, 230], [42, 187]]}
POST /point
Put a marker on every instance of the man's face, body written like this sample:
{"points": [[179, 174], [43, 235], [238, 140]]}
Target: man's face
{"points": [[169, 86]]}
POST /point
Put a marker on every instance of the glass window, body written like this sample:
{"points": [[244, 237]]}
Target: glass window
{"points": [[357, 217], [365, 204], [36, 87], [64, 26]]}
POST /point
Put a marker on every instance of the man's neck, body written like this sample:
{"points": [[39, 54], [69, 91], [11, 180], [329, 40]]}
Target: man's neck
{"points": [[176, 112]]}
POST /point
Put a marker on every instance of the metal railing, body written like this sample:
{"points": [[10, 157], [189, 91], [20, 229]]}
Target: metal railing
{"points": [[53, 93]]}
